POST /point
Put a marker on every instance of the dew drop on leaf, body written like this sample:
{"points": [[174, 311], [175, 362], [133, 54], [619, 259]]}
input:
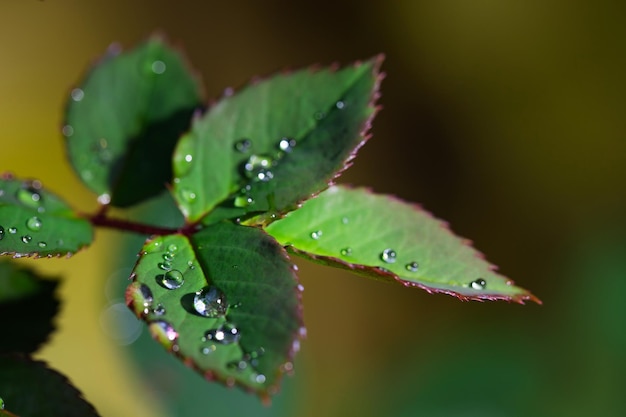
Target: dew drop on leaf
{"points": [[29, 195], [159, 310], [173, 279], [187, 195], [77, 94], [1, 232], [388, 256], [210, 302], [34, 224], [225, 334], [165, 266], [243, 201], [158, 67], [287, 144], [257, 168], [346, 251], [340, 105], [478, 284], [42, 244], [172, 248], [207, 350], [26, 238], [168, 257], [316, 235], [237, 365], [243, 145], [13, 230], [412, 266]]}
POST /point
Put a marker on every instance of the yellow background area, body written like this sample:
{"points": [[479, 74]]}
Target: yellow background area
{"points": [[505, 118]]}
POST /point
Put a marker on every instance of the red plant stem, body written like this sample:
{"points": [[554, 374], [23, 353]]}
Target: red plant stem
{"points": [[100, 219]]}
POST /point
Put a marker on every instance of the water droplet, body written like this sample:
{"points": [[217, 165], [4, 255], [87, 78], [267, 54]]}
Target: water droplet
{"points": [[104, 199], [286, 144], [188, 158], [13, 230], [243, 145], [67, 131], [316, 235], [173, 279], [243, 201], [412, 266], [210, 302], [172, 248], [168, 257], [1, 232], [237, 365], [187, 195], [345, 220], [159, 310], [340, 105], [346, 251], [191, 265], [300, 287], [257, 168], [207, 350], [42, 244], [34, 224], [259, 379], [388, 255], [165, 266], [26, 238], [225, 334], [478, 284], [164, 333], [77, 94], [144, 295], [29, 194], [319, 115], [158, 67]]}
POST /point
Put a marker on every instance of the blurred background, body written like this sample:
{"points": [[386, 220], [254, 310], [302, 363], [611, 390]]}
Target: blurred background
{"points": [[505, 118]]}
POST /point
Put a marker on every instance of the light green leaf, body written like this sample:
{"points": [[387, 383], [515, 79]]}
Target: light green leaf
{"points": [[388, 239], [124, 119], [35, 222], [225, 300], [275, 143]]}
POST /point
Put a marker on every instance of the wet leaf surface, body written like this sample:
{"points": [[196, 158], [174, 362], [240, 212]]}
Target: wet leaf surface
{"points": [[274, 143], [35, 222], [391, 240], [124, 119], [225, 301]]}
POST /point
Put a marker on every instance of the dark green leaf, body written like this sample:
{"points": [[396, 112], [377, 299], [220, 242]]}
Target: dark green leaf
{"points": [[35, 222], [30, 389], [275, 143], [28, 305], [252, 288], [388, 239], [123, 121]]}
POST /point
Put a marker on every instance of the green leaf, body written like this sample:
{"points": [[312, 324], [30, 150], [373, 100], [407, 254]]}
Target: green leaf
{"points": [[28, 304], [246, 330], [275, 143], [387, 239], [35, 222], [30, 389], [124, 120]]}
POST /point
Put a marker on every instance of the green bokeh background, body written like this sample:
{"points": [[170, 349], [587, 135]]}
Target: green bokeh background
{"points": [[505, 118]]}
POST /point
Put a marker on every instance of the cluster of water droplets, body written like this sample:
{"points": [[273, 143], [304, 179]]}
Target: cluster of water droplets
{"points": [[28, 195]]}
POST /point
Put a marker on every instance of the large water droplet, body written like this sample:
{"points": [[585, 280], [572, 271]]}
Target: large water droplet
{"points": [[388, 256], [412, 266], [225, 334], [243, 145], [259, 378], [1, 232], [29, 194], [13, 230], [34, 224], [316, 234], [258, 168], [172, 279], [26, 238], [478, 284], [287, 144], [158, 67], [77, 94], [346, 251], [210, 302]]}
